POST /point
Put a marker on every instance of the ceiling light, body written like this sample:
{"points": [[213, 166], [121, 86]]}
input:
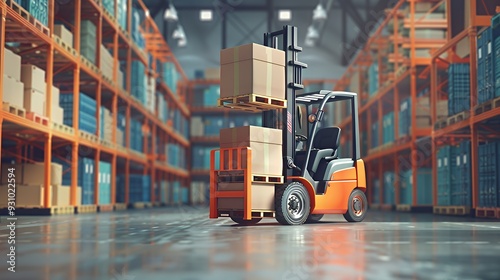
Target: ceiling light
{"points": [[285, 15], [319, 13], [182, 42], [206, 15], [171, 13], [312, 33], [309, 42], [179, 33]]}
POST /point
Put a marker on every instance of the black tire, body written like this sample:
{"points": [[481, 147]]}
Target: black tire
{"points": [[292, 204], [239, 220], [314, 218], [356, 207]]}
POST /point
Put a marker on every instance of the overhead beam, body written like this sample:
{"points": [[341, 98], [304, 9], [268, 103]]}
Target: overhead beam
{"points": [[263, 8], [348, 7], [363, 35]]}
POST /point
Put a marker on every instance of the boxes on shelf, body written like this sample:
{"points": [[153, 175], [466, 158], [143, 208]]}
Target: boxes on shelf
{"points": [[106, 62], [139, 188], [33, 173], [495, 39], [88, 39], [106, 124], [185, 196], [87, 112], [458, 88], [104, 179], [63, 33], [12, 65], [388, 128], [198, 191], [164, 192], [176, 192], [122, 13], [170, 75], [446, 160], [34, 101], [424, 187], [109, 5], [264, 142], [213, 124], [138, 81], [13, 92], [461, 176], [489, 167], [38, 9], [197, 127], [252, 69], [373, 79], [136, 136], [212, 73], [210, 96], [26, 196], [150, 101], [33, 78], [485, 71], [57, 114], [201, 157]]}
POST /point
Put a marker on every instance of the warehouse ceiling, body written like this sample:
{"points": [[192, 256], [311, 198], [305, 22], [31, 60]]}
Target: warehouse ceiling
{"points": [[341, 34]]}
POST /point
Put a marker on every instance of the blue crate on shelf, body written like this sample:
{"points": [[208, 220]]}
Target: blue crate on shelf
{"points": [[39, 9], [87, 112], [489, 167], [485, 69], [458, 88], [373, 79], [404, 117], [424, 187], [495, 39], [461, 186], [389, 178], [104, 179]]}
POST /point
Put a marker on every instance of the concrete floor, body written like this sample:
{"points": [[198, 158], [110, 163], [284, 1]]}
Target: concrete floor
{"points": [[182, 243]]}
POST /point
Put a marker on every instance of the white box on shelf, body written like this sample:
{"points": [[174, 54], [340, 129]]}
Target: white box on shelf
{"points": [[33, 78], [34, 101], [12, 65], [13, 92]]}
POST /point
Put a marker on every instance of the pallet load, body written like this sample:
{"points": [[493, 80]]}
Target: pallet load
{"points": [[35, 88], [57, 111], [12, 86], [62, 32], [252, 69], [30, 185]]}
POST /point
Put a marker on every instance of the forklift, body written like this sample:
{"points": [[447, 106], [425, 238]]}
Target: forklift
{"points": [[316, 181]]}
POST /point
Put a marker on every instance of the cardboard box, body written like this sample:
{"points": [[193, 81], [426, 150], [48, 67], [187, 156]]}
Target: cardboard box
{"points": [[13, 92], [57, 114], [34, 174], [463, 48], [423, 121], [266, 145], [26, 196], [18, 173], [442, 108], [34, 101], [212, 73], [66, 35], [33, 78], [252, 69], [197, 126], [55, 96], [262, 196], [60, 195], [12, 65]]}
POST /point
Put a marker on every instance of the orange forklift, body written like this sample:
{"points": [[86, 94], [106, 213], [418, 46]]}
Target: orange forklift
{"points": [[315, 181]]}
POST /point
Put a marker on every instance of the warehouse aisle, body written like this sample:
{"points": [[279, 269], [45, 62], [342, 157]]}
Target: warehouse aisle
{"points": [[181, 243]]}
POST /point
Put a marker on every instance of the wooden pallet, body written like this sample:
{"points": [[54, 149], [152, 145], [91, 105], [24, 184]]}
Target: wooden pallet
{"points": [[451, 210], [27, 16], [441, 123], [484, 107], [90, 65], [65, 46], [106, 143], [37, 118], [493, 213], [88, 136], [238, 177], [255, 213], [108, 80], [38, 210], [80, 209], [458, 118], [403, 140], [14, 110], [403, 207], [105, 208], [109, 15], [138, 205], [63, 128], [252, 102], [120, 206]]}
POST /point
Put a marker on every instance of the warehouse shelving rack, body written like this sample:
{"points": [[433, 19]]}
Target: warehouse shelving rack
{"points": [[66, 68], [407, 78], [474, 125]]}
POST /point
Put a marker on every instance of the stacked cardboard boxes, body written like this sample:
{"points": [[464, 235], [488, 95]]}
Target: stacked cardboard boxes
{"points": [[62, 32], [35, 88], [106, 62], [57, 111], [30, 185], [106, 125], [150, 101], [12, 87], [252, 69]]}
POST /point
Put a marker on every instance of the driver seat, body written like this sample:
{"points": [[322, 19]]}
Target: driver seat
{"points": [[325, 145]]}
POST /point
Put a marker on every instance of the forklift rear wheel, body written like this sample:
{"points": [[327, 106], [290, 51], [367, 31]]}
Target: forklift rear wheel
{"points": [[314, 218], [292, 204], [239, 220], [356, 209]]}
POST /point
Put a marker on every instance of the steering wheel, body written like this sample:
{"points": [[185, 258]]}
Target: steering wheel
{"points": [[300, 137]]}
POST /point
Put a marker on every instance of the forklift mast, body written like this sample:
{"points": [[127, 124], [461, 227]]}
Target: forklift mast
{"points": [[293, 80]]}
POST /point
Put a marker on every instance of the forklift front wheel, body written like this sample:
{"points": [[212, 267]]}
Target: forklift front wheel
{"points": [[292, 204], [357, 206], [241, 221]]}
